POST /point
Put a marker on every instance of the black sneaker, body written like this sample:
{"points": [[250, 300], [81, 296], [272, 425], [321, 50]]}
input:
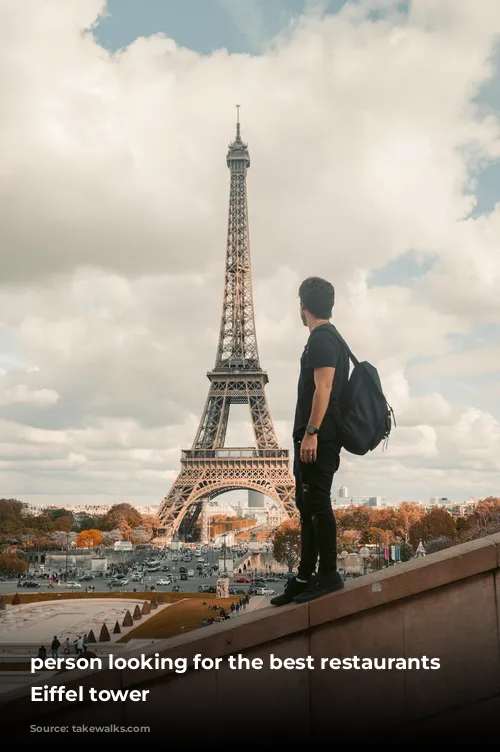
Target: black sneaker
{"points": [[319, 587], [292, 589]]}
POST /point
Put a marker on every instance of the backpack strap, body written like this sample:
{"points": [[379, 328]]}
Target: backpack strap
{"points": [[339, 336], [357, 363]]}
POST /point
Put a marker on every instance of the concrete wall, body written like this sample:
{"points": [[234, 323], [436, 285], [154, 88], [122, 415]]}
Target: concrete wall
{"points": [[443, 606]]}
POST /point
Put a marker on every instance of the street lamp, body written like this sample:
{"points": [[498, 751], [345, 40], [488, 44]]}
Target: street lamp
{"points": [[364, 552], [67, 546], [224, 550]]}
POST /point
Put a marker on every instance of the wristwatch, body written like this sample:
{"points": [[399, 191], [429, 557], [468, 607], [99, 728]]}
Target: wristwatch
{"points": [[312, 430]]}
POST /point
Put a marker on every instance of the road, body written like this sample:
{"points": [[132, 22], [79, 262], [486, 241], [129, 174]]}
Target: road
{"points": [[100, 583]]}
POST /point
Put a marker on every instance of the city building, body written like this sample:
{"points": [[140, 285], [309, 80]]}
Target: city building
{"points": [[343, 492], [360, 501], [83, 510]]}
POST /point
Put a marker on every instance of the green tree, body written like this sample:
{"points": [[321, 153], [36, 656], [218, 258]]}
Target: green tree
{"points": [[406, 552], [88, 522]]}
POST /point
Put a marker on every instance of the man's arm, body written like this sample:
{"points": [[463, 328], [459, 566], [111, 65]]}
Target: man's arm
{"points": [[323, 380]]}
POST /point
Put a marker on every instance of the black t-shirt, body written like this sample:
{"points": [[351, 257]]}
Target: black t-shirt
{"points": [[323, 350]]}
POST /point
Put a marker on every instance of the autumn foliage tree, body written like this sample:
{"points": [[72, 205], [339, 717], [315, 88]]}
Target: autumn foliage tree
{"points": [[89, 539], [122, 513], [150, 524], [125, 529], [11, 563], [407, 514], [437, 523], [286, 544]]}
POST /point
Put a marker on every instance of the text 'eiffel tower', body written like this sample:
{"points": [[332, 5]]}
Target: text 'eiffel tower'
{"points": [[208, 469]]}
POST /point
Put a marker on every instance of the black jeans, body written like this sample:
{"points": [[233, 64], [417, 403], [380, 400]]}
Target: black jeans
{"points": [[313, 484]]}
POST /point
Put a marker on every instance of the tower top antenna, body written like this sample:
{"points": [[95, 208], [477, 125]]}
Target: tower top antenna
{"points": [[238, 121]]}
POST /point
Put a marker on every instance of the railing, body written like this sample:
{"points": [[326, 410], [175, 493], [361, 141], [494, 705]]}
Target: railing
{"points": [[217, 454]]}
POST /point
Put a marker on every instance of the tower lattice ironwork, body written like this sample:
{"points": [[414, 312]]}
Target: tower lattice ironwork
{"points": [[209, 468]]}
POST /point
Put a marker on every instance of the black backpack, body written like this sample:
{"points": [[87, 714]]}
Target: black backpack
{"points": [[367, 417]]}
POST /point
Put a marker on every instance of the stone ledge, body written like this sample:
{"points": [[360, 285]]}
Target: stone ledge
{"points": [[403, 580], [268, 625]]}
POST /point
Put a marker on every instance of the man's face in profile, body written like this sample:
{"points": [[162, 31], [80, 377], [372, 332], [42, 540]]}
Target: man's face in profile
{"points": [[302, 315]]}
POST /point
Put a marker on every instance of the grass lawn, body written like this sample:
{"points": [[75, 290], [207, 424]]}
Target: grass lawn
{"points": [[185, 614], [177, 619]]}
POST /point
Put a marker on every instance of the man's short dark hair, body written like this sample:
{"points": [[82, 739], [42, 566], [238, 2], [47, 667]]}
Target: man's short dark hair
{"points": [[317, 296]]}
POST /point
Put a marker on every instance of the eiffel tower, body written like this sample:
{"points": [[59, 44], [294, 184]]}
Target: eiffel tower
{"points": [[209, 468]]}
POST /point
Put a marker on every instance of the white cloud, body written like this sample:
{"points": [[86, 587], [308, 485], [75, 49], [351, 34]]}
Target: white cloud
{"points": [[21, 394], [363, 138]]}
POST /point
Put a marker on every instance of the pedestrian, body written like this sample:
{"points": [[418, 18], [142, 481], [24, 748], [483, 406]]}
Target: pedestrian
{"points": [[55, 647], [42, 652], [85, 641], [66, 647], [79, 645], [324, 374]]}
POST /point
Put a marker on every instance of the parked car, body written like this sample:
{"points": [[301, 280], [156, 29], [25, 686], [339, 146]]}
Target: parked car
{"points": [[28, 583], [190, 573], [264, 591], [73, 585], [164, 581], [243, 580], [207, 589], [184, 576]]}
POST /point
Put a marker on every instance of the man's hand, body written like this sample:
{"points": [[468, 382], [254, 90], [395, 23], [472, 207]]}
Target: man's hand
{"points": [[309, 448]]}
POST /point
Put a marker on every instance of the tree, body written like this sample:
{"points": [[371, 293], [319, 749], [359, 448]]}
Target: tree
{"points": [[406, 551], [384, 518], [439, 544], [437, 523], [63, 539], [286, 544], [55, 514], [140, 535], [63, 522], [12, 521], [39, 542], [89, 539], [109, 537], [96, 522], [11, 563], [347, 540], [122, 513], [379, 536], [150, 523], [407, 514], [125, 530]]}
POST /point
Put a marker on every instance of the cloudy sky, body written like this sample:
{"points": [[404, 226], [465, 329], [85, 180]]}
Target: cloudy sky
{"points": [[374, 133]]}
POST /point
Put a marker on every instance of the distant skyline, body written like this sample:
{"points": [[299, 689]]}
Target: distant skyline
{"points": [[374, 134]]}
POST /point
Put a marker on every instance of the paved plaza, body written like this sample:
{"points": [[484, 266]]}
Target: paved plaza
{"points": [[37, 623]]}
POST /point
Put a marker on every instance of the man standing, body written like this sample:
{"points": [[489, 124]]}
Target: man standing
{"points": [[55, 647], [324, 373]]}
